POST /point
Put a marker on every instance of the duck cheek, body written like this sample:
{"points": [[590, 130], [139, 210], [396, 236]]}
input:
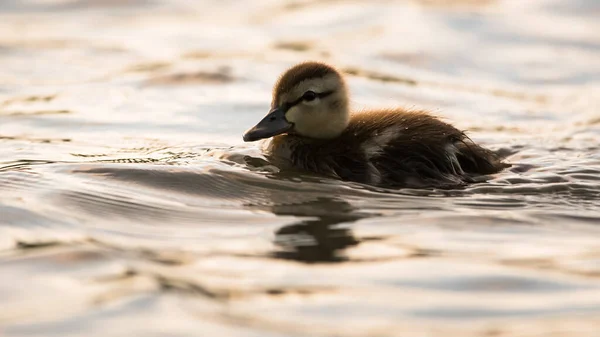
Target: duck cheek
{"points": [[314, 125], [294, 115]]}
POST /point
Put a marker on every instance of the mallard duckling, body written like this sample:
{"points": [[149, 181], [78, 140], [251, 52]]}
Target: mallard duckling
{"points": [[313, 130]]}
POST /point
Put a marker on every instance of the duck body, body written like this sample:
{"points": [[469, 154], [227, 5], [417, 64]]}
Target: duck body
{"points": [[390, 148], [311, 128]]}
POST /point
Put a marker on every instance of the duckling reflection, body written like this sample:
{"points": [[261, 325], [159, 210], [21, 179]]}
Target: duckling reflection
{"points": [[312, 129], [317, 240]]}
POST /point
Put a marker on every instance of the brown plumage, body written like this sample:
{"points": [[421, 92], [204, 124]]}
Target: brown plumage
{"points": [[313, 130], [304, 71]]}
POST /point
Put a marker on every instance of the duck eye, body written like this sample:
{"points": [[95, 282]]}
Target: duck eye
{"points": [[309, 96]]}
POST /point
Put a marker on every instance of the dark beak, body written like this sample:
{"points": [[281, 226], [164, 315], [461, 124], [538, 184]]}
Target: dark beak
{"points": [[273, 124]]}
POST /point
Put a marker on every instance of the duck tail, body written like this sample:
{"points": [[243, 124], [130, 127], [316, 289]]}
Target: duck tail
{"points": [[475, 159]]}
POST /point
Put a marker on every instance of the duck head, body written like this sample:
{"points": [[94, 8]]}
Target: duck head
{"points": [[309, 100]]}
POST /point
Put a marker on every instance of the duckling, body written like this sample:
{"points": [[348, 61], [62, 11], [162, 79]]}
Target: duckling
{"points": [[312, 129]]}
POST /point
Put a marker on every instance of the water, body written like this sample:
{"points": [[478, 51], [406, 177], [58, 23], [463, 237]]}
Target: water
{"points": [[130, 206]]}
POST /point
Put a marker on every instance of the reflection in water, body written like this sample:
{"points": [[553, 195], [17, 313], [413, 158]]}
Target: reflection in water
{"points": [[317, 240]]}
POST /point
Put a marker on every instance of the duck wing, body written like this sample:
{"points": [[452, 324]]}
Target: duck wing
{"points": [[417, 149]]}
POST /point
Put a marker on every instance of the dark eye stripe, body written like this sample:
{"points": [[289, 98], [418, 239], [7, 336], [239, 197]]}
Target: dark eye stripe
{"points": [[324, 94], [286, 106]]}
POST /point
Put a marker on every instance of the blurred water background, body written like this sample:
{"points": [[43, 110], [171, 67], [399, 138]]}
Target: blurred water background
{"points": [[129, 205]]}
